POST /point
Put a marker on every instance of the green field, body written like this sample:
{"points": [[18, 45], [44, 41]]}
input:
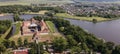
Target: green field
{"points": [[18, 24], [28, 2], [40, 12], [51, 26], [65, 15]]}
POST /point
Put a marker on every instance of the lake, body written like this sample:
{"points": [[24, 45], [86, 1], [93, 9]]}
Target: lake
{"points": [[108, 30]]}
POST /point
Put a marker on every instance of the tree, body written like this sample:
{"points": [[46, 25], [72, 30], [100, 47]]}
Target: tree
{"points": [[33, 47], [59, 44], [103, 49], [2, 29], [6, 43], [2, 48], [19, 42], [116, 50], [32, 51], [25, 42], [94, 20], [75, 50], [71, 41], [16, 17], [85, 47], [13, 45], [36, 48], [49, 14], [38, 18], [61, 29], [110, 45]]}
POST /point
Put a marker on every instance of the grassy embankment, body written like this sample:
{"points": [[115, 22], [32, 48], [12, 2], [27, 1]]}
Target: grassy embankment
{"points": [[3, 36], [51, 26], [18, 25], [42, 38], [65, 15], [17, 30], [40, 12]]}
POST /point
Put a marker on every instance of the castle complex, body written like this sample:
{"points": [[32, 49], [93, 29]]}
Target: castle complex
{"points": [[32, 26]]}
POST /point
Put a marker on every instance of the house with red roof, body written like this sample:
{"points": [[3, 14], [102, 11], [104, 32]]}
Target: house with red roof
{"points": [[20, 51]]}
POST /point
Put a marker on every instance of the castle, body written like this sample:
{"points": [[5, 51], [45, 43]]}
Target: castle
{"points": [[31, 26]]}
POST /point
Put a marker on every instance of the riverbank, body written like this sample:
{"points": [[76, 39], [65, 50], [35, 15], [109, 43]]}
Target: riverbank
{"points": [[3, 14], [65, 15], [42, 12]]}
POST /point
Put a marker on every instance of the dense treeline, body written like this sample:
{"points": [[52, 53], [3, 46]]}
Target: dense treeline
{"points": [[21, 43], [88, 42], [20, 8], [13, 9], [104, 15], [4, 26]]}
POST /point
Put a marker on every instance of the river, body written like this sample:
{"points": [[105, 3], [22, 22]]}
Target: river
{"points": [[108, 30]]}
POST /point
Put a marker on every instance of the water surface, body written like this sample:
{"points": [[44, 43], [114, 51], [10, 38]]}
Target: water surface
{"points": [[109, 30]]}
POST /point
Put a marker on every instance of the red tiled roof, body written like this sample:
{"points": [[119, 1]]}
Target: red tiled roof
{"points": [[20, 52]]}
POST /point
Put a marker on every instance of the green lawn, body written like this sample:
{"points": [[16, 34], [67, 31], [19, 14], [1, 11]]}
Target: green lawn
{"points": [[15, 38], [18, 25], [40, 12], [51, 26], [65, 15], [1, 40]]}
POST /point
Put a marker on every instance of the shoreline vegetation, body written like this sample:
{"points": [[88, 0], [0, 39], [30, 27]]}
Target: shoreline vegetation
{"points": [[42, 12], [3, 14], [99, 19], [67, 16]]}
